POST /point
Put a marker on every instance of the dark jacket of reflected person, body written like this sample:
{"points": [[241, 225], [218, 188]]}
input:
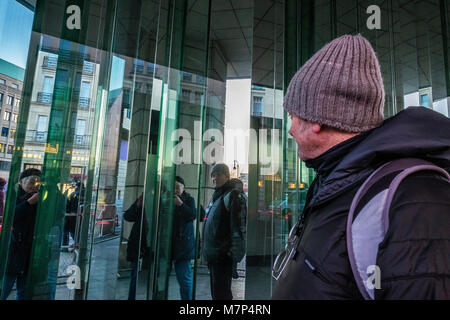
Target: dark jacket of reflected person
{"points": [[183, 239], [137, 244], [224, 230], [23, 224], [2, 198]]}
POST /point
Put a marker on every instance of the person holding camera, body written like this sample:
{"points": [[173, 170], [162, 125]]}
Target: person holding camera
{"points": [[22, 233]]}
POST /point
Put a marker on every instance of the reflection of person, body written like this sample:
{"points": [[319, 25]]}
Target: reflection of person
{"points": [[22, 233], [2, 198], [183, 240], [239, 190], [71, 214], [137, 244], [336, 103], [224, 231]]}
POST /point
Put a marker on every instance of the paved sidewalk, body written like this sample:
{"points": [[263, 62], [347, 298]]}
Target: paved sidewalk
{"points": [[106, 284]]}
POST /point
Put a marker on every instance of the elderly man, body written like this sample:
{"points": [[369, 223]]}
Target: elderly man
{"points": [[336, 103], [22, 233], [224, 231]]}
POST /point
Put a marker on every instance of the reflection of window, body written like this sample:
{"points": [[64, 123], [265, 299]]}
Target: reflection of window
{"points": [[200, 79], [32, 166], [2, 148], [81, 126], [5, 132], [426, 97], [150, 68], [1, 97], [85, 91], [17, 102], [198, 97], [51, 61], [424, 100], [14, 117], [187, 76], [126, 99], [47, 87], [12, 133], [2, 81], [257, 106], [10, 149], [88, 67], [41, 123], [5, 165], [15, 85], [186, 95], [139, 66], [10, 100], [76, 170], [6, 115]]}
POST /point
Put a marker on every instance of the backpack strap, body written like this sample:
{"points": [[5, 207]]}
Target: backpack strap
{"points": [[367, 230]]}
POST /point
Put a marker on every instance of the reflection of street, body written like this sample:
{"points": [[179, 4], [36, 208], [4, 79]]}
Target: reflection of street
{"points": [[203, 291], [103, 269], [104, 283]]}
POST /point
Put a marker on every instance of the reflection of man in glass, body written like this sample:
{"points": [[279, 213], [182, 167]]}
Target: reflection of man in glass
{"points": [[224, 231], [137, 245], [22, 233], [71, 214], [183, 239]]}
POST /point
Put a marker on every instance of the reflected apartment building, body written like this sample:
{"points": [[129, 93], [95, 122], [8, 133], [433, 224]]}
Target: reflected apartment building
{"points": [[11, 81], [41, 100], [143, 91]]}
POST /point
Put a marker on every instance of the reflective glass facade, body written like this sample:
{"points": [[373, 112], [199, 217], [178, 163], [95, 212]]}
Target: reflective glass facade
{"points": [[119, 97]]}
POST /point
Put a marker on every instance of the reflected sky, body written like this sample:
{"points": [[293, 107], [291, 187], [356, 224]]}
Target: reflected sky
{"points": [[16, 23]]}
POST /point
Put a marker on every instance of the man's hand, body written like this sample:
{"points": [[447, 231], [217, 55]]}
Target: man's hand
{"points": [[178, 201], [34, 198]]}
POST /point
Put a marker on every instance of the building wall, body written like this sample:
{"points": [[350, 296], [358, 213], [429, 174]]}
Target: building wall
{"points": [[8, 119]]}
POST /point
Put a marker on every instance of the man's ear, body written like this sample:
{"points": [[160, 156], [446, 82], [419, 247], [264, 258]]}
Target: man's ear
{"points": [[316, 128]]}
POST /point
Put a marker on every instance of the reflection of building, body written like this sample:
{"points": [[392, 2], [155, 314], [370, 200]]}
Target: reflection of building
{"points": [[11, 80], [263, 100], [424, 97], [41, 102]]}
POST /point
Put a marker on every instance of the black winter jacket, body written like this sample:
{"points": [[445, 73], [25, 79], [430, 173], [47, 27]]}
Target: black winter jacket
{"points": [[21, 234], [414, 257], [224, 231], [183, 239], [137, 243]]}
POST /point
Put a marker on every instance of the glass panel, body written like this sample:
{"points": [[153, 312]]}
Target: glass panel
{"points": [[270, 204], [50, 146]]}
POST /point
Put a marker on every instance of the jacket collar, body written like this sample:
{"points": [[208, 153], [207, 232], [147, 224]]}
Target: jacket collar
{"points": [[415, 132], [327, 161]]}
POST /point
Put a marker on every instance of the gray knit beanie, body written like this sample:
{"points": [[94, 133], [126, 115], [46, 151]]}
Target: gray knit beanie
{"points": [[221, 168], [340, 86]]}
